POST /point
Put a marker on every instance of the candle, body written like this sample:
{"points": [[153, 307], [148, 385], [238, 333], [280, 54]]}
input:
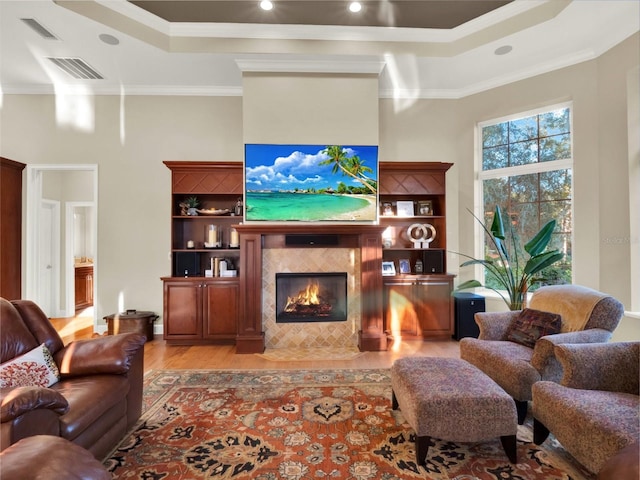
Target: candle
{"points": [[234, 237], [190, 244], [213, 235]]}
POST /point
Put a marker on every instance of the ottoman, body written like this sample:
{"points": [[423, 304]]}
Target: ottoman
{"points": [[450, 399]]}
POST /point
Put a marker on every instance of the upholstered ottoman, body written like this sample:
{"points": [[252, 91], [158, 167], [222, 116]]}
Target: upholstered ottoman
{"points": [[450, 399]]}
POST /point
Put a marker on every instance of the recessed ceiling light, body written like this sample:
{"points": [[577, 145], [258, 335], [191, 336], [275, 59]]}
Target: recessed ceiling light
{"points": [[108, 39], [503, 50], [355, 7], [266, 5]]}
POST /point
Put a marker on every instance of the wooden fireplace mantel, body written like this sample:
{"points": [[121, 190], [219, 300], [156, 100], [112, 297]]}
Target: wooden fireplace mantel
{"points": [[308, 229], [250, 337]]}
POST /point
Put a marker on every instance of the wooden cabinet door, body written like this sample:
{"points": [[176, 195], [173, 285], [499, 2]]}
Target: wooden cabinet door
{"points": [[401, 317], [220, 310], [83, 287], [434, 306], [182, 310]]}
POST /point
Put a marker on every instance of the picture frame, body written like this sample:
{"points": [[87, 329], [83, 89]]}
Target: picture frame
{"points": [[386, 209], [388, 269], [425, 207], [404, 208], [405, 266]]}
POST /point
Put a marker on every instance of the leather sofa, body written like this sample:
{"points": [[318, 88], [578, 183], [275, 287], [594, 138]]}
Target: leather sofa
{"points": [[45, 457], [98, 396]]}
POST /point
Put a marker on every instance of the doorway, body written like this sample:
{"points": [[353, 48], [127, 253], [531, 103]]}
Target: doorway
{"points": [[52, 284]]}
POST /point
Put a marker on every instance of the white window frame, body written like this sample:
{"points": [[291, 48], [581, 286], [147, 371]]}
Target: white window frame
{"points": [[539, 167]]}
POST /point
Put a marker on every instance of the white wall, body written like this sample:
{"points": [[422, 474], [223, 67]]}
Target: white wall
{"points": [[310, 108], [129, 140]]}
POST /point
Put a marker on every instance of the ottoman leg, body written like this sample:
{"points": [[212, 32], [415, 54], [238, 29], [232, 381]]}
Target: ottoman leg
{"points": [[510, 447], [422, 448], [394, 401]]}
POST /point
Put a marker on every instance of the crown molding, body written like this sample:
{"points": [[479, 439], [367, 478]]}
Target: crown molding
{"points": [[311, 66], [140, 90]]}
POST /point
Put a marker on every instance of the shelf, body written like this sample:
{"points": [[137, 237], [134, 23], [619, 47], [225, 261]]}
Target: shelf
{"points": [[207, 250], [396, 217], [403, 249], [200, 279], [208, 217]]}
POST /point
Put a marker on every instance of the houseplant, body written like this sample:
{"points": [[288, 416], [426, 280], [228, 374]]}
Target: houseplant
{"points": [[513, 273], [192, 204]]}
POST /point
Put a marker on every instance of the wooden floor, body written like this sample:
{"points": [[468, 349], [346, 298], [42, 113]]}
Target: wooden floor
{"points": [[160, 356]]}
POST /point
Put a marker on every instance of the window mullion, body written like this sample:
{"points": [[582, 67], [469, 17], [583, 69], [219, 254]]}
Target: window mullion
{"points": [[526, 169]]}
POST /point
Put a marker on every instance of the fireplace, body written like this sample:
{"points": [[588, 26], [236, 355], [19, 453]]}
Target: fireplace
{"points": [[311, 297]]}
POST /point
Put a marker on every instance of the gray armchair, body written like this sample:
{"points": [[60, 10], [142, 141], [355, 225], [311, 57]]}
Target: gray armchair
{"points": [[588, 316], [593, 412]]}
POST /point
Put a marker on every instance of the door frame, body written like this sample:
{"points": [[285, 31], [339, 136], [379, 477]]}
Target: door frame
{"points": [[33, 201]]}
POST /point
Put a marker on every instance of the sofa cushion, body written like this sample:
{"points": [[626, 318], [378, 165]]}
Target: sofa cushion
{"points": [[89, 399], [35, 368], [16, 337], [532, 324], [43, 457]]}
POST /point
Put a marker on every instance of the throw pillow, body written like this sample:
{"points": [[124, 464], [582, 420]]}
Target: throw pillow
{"points": [[35, 368], [532, 324]]}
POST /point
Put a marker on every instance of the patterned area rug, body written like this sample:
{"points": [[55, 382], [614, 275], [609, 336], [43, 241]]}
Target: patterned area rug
{"points": [[299, 425]]}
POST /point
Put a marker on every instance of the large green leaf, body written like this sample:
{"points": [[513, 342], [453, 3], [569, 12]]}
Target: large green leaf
{"points": [[497, 227], [538, 243], [486, 263], [469, 284], [542, 261]]}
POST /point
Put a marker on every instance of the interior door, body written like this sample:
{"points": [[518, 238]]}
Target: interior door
{"points": [[48, 253]]}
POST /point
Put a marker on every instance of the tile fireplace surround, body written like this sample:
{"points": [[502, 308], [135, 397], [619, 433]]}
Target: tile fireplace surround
{"points": [[266, 251], [310, 260]]}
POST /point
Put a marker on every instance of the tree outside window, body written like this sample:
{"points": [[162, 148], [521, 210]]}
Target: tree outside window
{"points": [[526, 170]]}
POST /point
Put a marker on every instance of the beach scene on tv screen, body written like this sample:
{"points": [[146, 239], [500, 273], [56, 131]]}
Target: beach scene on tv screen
{"points": [[311, 183]]}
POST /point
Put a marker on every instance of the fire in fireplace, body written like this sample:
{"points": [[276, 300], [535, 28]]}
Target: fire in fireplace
{"points": [[311, 297]]}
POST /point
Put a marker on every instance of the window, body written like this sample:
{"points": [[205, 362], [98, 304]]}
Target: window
{"points": [[526, 170]]}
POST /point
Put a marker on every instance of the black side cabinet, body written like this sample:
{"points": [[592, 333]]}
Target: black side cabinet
{"points": [[465, 307]]}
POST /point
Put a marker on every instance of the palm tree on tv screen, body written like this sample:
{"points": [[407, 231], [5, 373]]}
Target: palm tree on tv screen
{"points": [[352, 166]]}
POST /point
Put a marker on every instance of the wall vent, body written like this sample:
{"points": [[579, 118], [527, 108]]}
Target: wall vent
{"points": [[39, 28], [77, 68]]}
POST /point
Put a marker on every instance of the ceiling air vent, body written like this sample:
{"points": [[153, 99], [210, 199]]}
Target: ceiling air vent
{"points": [[39, 28], [77, 68]]}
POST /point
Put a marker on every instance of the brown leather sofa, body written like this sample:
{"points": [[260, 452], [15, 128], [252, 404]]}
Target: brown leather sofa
{"points": [[99, 394], [45, 457]]}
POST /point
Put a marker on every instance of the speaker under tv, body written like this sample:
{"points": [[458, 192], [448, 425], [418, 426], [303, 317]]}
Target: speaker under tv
{"points": [[187, 264], [315, 240], [433, 261]]}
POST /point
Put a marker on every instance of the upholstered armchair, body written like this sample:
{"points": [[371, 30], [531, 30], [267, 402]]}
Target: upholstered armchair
{"points": [[586, 316], [593, 412]]}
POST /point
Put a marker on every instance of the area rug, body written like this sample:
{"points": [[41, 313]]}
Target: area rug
{"points": [[299, 425], [310, 354]]}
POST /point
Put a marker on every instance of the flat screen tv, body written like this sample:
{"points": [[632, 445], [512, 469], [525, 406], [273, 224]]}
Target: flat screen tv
{"points": [[311, 183]]}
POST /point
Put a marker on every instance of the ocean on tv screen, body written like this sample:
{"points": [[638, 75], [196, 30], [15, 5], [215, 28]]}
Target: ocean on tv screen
{"points": [[310, 207]]}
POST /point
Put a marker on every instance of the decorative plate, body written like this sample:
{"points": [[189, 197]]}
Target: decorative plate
{"points": [[212, 211]]}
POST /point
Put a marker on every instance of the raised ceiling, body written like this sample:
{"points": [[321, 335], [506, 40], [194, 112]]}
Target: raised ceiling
{"points": [[154, 55], [389, 13]]}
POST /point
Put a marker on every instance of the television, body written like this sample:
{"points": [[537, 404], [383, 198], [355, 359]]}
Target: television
{"points": [[310, 183]]}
